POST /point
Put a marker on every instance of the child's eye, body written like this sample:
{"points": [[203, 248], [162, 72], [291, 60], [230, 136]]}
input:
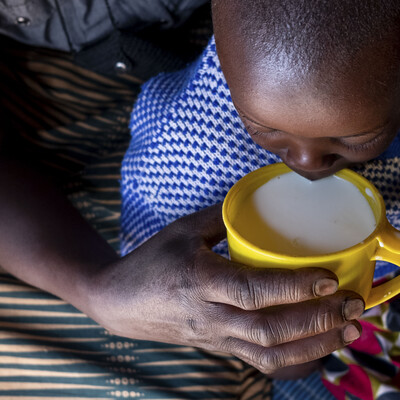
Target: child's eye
{"points": [[255, 132], [251, 129], [353, 144]]}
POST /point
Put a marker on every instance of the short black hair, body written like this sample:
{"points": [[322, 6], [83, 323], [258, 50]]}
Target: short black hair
{"points": [[311, 33]]}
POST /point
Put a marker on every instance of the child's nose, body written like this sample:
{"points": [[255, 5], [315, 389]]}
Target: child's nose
{"points": [[309, 158]]}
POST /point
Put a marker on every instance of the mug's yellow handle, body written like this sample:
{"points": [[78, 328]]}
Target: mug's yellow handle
{"points": [[389, 250]]}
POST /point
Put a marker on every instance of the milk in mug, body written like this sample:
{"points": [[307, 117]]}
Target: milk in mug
{"points": [[294, 216]]}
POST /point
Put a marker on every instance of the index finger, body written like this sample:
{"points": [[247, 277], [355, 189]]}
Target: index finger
{"points": [[254, 288]]}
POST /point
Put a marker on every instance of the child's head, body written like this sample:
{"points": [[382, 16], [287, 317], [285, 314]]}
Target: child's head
{"points": [[316, 82]]}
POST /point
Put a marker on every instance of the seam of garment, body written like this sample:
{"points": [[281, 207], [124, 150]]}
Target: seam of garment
{"points": [[64, 25], [113, 21]]}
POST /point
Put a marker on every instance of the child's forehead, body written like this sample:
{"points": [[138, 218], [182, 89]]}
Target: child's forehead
{"points": [[304, 116], [372, 70], [358, 98], [307, 108]]}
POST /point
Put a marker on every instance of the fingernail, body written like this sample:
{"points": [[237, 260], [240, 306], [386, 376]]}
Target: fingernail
{"points": [[350, 334], [325, 287], [352, 309]]}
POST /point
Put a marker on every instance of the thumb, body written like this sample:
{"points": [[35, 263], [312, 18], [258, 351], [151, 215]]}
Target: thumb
{"points": [[208, 224]]}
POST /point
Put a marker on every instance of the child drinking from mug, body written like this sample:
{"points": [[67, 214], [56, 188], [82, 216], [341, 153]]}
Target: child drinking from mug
{"points": [[316, 85]]}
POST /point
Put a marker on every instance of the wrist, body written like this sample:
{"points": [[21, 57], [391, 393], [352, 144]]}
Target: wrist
{"points": [[93, 289]]}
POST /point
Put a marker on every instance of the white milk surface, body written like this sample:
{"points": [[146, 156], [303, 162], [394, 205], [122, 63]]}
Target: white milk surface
{"points": [[301, 217]]}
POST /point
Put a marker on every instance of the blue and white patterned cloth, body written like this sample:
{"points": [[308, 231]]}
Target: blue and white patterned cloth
{"points": [[189, 147]]}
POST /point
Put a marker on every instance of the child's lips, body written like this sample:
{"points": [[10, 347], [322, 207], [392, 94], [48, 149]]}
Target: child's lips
{"points": [[319, 174], [334, 165]]}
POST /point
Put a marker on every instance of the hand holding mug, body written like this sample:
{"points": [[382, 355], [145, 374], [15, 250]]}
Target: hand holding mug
{"points": [[174, 289]]}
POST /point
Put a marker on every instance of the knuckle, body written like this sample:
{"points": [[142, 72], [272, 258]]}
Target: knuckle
{"points": [[245, 293], [273, 362], [198, 331], [245, 296], [229, 345], [322, 315], [285, 287], [258, 335], [322, 320], [270, 332], [193, 325], [325, 320], [278, 331], [267, 360]]}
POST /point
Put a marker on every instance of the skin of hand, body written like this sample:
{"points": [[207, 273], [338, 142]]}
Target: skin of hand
{"points": [[174, 289]]}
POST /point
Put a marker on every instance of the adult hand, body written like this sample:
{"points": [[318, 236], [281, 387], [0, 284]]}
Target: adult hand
{"points": [[174, 289]]}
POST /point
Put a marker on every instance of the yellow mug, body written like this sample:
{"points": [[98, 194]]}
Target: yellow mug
{"points": [[353, 266]]}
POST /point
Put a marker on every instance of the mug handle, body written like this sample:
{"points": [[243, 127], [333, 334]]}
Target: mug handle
{"points": [[388, 250]]}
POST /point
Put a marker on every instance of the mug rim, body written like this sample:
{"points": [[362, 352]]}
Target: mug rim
{"points": [[281, 169]]}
